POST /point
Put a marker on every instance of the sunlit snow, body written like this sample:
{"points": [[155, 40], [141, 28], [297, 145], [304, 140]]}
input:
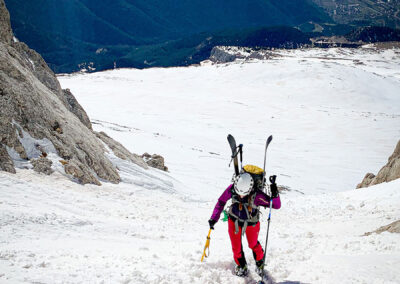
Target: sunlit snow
{"points": [[334, 115]]}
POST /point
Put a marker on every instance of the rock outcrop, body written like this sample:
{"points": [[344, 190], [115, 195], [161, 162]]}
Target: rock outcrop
{"points": [[6, 164], [38, 118], [42, 165], [225, 54], [221, 55], [155, 161], [389, 172], [391, 228], [73, 105]]}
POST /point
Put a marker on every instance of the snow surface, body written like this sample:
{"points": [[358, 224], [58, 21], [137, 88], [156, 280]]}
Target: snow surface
{"points": [[333, 119], [334, 114]]}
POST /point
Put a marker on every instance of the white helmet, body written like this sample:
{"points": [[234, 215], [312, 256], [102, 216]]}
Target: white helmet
{"points": [[243, 184]]}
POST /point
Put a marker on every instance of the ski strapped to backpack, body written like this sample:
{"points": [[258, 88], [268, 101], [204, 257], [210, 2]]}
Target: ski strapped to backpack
{"points": [[272, 180], [265, 156], [235, 151]]}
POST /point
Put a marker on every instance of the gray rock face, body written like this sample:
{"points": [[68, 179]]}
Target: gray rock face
{"points": [[42, 165], [225, 54], [389, 172], [32, 100], [219, 55], [155, 161], [79, 171], [34, 62], [6, 35], [76, 108], [27, 102], [120, 151], [6, 164], [37, 117], [366, 180]]}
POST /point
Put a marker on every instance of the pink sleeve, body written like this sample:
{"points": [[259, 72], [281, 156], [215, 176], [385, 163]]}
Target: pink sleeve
{"points": [[226, 195], [263, 200]]}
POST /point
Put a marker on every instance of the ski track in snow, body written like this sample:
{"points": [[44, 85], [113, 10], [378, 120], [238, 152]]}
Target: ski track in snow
{"points": [[330, 127]]}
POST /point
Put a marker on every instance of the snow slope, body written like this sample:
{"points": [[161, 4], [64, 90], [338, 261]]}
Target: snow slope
{"points": [[334, 116], [53, 231], [333, 119]]}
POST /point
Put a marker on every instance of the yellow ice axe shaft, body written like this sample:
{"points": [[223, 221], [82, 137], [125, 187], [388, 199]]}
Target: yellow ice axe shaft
{"points": [[207, 246]]}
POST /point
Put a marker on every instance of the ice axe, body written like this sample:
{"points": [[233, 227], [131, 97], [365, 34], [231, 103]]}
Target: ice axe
{"points": [[206, 247]]}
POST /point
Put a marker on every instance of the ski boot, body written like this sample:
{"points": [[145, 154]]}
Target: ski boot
{"points": [[260, 267], [241, 271]]}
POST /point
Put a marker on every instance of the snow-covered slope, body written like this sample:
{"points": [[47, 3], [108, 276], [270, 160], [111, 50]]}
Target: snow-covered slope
{"points": [[333, 119], [53, 231], [334, 114]]}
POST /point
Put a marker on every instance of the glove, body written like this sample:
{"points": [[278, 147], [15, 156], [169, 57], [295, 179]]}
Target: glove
{"points": [[212, 223], [273, 187]]}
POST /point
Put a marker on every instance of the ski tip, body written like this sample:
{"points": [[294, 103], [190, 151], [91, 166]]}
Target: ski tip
{"points": [[269, 139]]}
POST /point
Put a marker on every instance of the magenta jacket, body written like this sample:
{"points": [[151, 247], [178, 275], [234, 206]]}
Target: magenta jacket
{"points": [[261, 199]]}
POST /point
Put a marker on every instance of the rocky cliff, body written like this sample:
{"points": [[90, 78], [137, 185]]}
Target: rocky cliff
{"points": [[225, 54], [42, 125], [389, 172], [6, 35]]}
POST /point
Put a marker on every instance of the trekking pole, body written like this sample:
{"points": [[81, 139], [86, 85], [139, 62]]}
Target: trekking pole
{"points": [[266, 242], [207, 246]]}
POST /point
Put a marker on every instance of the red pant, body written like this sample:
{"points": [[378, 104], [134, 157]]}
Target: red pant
{"points": [[252, 240]]}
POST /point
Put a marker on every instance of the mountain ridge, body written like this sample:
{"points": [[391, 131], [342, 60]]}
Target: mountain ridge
{"points": [[64, 31], [99, 34]]}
